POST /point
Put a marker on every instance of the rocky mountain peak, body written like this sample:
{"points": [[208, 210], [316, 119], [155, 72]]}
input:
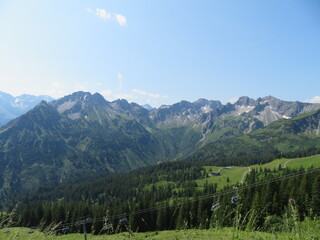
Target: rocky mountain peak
{"points": [[78, 96], [121, 103], [207, 103], [147, 106], [97, 97], [81, 105], [246, 101], [182, 105], [272, 100], [201, 102], [122, 106]]}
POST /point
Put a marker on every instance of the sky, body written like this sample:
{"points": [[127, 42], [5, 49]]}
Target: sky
{"points": [[161, 51]]}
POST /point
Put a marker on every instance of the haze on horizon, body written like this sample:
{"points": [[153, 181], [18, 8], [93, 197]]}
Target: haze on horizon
{"points": [[161, 52]]}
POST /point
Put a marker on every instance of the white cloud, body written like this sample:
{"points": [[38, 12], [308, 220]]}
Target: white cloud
{"points": [[122, 20], [107, 94], [111, 96], [55, 93], [103, 13], [152, 95], [127, 96], [135, 95], [57, 85], [315, 99], [120, 82], [56, 90], [233, 100], [80, 87]]}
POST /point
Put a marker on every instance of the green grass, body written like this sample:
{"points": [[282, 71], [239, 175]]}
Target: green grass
{"points": [[189, 234], [304, 162], [294, 163], [159, 184], [234, 174]]}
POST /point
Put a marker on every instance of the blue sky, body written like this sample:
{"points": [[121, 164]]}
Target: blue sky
{"points": [[161, 51]]}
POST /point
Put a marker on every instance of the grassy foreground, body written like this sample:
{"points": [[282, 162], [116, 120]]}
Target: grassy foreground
{"points": [[190, 234]]}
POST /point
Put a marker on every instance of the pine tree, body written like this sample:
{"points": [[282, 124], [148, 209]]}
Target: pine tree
{"points": [[275, 207], [162, 219], [315, 202], [26, 216]]}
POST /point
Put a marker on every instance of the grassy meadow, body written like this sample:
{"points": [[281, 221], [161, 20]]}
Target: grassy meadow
{"points": [[234, 174]]}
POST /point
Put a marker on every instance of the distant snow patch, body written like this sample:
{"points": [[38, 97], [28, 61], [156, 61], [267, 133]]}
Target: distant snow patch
{"points": [[206, 109], [19, 103]]}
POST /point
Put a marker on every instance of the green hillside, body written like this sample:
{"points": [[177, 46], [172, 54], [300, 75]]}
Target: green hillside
{"points": [[231, 175], [83, 135], [179, 195], [45, 148], [60, 165]]}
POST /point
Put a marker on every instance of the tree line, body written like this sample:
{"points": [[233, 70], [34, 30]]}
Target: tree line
{"points": [[262, 207]]}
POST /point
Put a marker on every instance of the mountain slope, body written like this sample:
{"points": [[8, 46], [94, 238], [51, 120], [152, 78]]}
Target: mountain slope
{"points": [[284, 136], [48, 147], [216, 121], [82, 134]]}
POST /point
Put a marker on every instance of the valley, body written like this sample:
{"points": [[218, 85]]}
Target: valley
{"points": [[163, 168], [159, 120], [83, 134]]}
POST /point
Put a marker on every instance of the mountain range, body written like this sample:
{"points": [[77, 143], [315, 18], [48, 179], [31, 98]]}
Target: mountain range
{"points": [[83, 135], [12, 107]]}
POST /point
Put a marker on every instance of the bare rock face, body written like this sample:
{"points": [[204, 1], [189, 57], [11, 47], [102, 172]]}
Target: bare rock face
{"points": [[270, 109], [266, 110]]}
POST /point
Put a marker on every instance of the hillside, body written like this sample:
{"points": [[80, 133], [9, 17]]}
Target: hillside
{"points": [[44, 147], [185, 193], [281, 138]]}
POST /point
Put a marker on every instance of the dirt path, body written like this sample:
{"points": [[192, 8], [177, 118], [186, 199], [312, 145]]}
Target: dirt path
{"points": [[285, 164], [244, 175]]}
